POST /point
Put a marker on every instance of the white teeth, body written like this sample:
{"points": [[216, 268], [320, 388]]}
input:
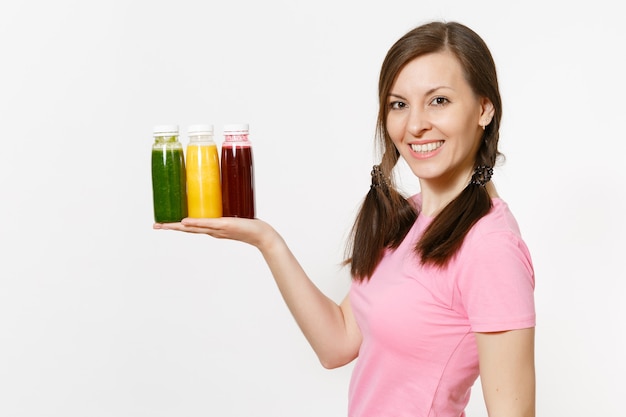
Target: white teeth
{"points": [[427, 147]]}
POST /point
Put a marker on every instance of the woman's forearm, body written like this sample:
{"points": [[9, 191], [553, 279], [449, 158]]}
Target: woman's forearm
{"points": [[330, 328]]}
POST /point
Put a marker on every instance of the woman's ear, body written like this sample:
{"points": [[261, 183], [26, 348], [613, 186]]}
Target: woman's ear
{"points": [[486, 112]]}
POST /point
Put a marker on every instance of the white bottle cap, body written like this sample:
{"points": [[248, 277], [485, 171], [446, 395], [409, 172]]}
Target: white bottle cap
{"points": [[233, 129], [200, 130], [165, 130]]}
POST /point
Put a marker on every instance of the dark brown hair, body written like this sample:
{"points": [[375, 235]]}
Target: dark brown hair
{"points": [[386, 216]]}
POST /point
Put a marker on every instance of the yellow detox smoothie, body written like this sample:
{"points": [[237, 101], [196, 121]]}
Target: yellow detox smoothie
{"points": [[204, 193]]}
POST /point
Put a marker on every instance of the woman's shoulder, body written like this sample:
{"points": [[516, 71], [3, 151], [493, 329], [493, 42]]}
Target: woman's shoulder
{"points": [[500, 219], [495, 242]]}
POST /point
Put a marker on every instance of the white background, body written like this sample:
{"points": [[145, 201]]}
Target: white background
{"points": [[102, 316]]}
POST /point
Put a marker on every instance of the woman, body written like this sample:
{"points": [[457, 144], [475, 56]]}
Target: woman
{"points": [[443, 283]]}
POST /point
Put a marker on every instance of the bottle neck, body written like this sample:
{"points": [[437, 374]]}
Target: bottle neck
{"points": [[166, 139], [201, 139], [236, 138]]}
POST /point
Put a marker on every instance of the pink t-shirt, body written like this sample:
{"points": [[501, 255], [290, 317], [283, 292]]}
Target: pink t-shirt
{"points": [[419, 357]]}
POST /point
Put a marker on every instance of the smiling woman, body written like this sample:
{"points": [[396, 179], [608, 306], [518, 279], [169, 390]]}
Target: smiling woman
{"points": [[434, 120], [443, 284]]}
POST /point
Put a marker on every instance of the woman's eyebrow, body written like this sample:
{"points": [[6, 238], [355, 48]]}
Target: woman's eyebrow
{"points": [[397, 96], [426, 93]]}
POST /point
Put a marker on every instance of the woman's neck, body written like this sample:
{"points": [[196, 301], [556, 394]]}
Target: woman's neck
{"points": [[435, 199]]}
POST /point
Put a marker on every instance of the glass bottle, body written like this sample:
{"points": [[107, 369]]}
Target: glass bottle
{"points": [[237, 168], [168, 175], [204, 192]]}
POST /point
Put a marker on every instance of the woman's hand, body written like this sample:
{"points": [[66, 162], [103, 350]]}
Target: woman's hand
{"points": [[252, 231]]}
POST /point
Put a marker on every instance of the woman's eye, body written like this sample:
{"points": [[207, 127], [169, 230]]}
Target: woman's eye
{"points": [[396, 105], [439, 101]]}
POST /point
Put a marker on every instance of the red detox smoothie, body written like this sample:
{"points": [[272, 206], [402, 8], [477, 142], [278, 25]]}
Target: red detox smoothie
{"points": [[237, 180]]}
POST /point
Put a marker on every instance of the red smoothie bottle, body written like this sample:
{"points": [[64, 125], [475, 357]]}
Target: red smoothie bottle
{"points": [[237, 171]]}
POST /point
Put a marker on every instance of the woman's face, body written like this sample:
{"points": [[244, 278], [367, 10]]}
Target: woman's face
{"points": [[435, 119]]}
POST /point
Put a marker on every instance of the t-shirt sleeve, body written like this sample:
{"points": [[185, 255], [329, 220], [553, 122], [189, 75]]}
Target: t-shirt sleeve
{"points": [[496, 283]]}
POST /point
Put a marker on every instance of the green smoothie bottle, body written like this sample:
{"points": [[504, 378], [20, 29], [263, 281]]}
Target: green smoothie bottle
{"points": [[169, 184]]}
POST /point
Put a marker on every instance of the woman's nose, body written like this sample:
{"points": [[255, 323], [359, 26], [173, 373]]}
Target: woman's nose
{"points": [[418, 122]]}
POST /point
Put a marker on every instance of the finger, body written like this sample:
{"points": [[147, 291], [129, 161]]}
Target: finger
{"points": [[216, 233], [225, 226], [211, 223], [168, 226]]}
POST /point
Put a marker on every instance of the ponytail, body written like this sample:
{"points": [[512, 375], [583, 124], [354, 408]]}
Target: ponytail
{"points": [[445, 235], [383, 221]]}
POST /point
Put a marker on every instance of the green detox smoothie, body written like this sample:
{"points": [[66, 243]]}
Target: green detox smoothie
{"points": [[169, 182]]}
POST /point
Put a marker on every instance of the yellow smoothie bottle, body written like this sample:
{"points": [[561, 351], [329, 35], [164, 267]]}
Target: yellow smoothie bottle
{"points": [[204, 191]]}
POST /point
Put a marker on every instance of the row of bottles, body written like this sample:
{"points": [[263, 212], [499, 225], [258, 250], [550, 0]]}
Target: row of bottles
{"points": [[206, 185]]}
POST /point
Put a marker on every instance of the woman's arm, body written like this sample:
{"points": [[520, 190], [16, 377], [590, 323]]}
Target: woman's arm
{"points": [[507, 372], [330, 328]]}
